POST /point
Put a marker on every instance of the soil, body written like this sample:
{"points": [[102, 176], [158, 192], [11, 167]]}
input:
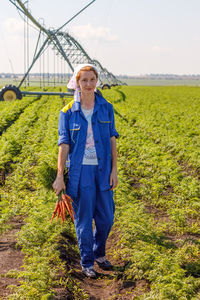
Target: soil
{"points": [[11, 258], [2, 176], [108, 285], [189, 170]]}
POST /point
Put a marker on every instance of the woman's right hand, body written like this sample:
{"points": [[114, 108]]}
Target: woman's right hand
{"points": [[59, 184]]}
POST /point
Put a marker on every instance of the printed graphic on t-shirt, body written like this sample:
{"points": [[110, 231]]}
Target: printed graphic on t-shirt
{"points": [[90, 156], [90, 151]]}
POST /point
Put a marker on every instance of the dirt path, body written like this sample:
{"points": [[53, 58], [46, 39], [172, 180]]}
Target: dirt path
{"points": [[11, 258], [109, 284]]}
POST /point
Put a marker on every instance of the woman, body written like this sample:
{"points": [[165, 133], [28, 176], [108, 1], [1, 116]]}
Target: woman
{"points": [[87, 137]]}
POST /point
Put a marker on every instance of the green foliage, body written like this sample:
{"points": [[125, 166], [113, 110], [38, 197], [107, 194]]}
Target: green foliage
{"points": [[11, 111], [26, 192], [46, 174], [157, 200]]}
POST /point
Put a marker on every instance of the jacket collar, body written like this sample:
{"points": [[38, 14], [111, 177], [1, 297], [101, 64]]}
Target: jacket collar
{"points": [[99, 100]]}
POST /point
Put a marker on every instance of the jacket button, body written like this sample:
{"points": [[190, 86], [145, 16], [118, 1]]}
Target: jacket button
{"points": [[100, 169], [99, 158], [96, 141], [93, 123]]}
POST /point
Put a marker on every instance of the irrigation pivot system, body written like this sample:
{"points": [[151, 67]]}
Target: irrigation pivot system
{"points": [[65, 46]]}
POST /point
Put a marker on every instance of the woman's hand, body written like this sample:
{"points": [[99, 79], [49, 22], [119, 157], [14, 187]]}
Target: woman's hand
{"points": [[59, 184], [113, 179]]}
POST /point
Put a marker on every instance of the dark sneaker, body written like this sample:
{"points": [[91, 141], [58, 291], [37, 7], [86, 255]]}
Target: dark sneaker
{"points": [[89, 272], [104, 264]]}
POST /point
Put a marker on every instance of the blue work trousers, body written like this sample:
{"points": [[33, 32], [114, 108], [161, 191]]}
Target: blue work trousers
{"points": [[92, 204]]}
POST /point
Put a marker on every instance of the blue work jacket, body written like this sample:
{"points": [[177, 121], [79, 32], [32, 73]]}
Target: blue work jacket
{"points": [[73, 131]]}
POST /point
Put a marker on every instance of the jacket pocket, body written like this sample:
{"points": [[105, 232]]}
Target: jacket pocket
{"points": [[74, 131], [104, 127], [102, 121]]}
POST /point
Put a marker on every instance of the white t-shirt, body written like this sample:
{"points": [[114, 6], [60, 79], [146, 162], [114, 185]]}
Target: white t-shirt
{"points": [[90, 156]]}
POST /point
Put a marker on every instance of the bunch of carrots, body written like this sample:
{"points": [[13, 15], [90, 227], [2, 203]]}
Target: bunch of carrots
{"points": [[64, 203]]}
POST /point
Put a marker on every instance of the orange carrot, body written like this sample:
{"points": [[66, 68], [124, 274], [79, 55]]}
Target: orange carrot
{"points": [[58, 212], [67, 206], [63, 206], [67, 200], [62, 212], [63, 203], [55, 210]]}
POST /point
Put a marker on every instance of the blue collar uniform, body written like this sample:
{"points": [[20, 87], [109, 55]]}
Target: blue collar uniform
{"points": [[89, 186]]}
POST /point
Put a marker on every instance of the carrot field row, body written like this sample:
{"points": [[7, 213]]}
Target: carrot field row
{"points": [[157, 200], [30, 169]]}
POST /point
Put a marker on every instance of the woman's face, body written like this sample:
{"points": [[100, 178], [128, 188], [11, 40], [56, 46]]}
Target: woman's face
{"points": [[87, 82]]}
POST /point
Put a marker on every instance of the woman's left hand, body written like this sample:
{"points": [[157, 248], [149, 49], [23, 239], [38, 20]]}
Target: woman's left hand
{"points": [[113, 179]]}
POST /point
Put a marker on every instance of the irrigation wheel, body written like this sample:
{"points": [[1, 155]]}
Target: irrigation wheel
{"points": [[105, 86], [10, 93]]}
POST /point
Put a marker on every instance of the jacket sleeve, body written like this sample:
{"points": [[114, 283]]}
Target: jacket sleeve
{"points": [[63, 129], [113, 131]]}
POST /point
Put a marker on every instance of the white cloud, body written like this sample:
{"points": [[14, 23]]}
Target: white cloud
{"points": [[161, 50], [90, 32], [156, 49], [196, 38], [13, 26]]}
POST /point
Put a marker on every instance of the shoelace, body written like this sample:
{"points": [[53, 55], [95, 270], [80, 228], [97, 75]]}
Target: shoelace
{"points": [[101, 259]]}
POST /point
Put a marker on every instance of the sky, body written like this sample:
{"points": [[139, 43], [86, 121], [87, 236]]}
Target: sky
{"points": [[132, 37]]}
